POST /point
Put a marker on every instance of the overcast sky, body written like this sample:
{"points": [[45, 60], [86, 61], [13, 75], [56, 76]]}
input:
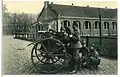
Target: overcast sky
{"points": [[35, 6]]}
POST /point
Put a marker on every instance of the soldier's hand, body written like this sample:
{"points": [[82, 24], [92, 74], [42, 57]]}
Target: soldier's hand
{"points": [[68, 44], [80, 55]]}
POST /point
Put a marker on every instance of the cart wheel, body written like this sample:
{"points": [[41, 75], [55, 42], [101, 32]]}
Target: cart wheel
{"points": [[49, 55]]}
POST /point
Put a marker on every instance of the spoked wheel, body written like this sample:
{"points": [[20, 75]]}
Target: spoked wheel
{"points": [[49, 56]]}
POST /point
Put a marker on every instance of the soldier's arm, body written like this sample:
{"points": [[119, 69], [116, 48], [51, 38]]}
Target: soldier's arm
{"points": [[75, 37], [96, 54]]}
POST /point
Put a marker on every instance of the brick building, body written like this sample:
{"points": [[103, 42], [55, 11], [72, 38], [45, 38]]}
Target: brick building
{"points": [[55, 16]]}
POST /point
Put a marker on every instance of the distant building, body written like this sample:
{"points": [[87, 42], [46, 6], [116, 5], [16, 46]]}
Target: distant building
{"points": [[55, 16]]}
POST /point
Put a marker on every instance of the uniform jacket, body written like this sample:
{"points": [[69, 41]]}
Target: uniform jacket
{"points": [[75, 40], [94, 53]]}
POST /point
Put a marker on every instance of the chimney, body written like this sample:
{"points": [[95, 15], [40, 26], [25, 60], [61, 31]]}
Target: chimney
{"points": [[105, 6], [87, 5], [46, 4], [72, 4], [51, 2]]}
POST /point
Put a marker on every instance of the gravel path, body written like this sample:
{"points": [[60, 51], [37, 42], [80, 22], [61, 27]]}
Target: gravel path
{"points": [[16, 60]]}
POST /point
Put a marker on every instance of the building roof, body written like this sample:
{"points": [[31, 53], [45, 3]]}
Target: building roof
{"points": [[80, 11]]}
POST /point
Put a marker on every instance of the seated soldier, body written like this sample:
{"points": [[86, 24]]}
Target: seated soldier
{"points": [[94, 59], [85, 55]]}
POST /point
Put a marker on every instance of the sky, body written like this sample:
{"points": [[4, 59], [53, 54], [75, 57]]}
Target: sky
{"points": [[35, 6]]}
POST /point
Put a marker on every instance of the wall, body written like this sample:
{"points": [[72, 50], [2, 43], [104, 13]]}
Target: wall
{"points": [[92, 31], [47, 14], [108, 47]]}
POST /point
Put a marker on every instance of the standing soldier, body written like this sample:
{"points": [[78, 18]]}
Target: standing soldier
{"points": [[75, 46], [68, 31]]}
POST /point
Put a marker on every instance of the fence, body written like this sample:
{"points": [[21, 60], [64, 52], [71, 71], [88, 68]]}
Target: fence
{"points": [[107, 47], [27, 36]]}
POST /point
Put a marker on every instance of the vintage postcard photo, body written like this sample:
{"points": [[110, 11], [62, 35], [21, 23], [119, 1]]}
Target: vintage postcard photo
{"points": [[68, 37]]}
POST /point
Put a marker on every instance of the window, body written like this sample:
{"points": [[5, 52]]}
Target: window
{"points": [[77, 23], [39, 27], [106, 25], [87, 25], [96, 25], [114, 24], [66, 23]]}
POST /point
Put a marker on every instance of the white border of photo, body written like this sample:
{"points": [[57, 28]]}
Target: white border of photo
{"points": [[56, 75]]}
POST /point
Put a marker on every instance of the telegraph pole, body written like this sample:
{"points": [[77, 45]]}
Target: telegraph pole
{"points": [[100, 27]]}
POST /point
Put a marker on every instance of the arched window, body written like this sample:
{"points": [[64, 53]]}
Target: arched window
{"points": [[114, 24], [106, 25], [87, 25], [77, 23], [66, 23], [96, 26]]}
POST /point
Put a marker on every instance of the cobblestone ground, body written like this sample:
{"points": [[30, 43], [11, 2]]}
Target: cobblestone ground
{"points": [[16, 60]]}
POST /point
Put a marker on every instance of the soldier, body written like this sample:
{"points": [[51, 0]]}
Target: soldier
{"points": [[75, 45], [84, 50], [65, 37], [94, 58], [85, 54], [50, 34], [68, 31]]}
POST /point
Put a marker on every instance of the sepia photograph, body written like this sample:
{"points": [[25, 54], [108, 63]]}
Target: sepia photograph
{"points": [[70, 37]]}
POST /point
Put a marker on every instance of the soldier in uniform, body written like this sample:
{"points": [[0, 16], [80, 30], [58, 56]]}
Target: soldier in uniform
{"points": [[75, 45], [65, 37], [94, 58], [85, 54], [68, 31]]}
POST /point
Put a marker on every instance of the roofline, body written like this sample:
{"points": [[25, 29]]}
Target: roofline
{"points": [[53, 9], [40, 13], [43, 9], [84, 6]]}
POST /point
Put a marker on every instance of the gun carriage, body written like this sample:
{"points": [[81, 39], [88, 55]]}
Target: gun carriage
{"points": [[52, 52], [49, 54]]}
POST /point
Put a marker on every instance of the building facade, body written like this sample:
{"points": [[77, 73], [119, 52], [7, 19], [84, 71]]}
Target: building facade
{"points": [[55, 16]]}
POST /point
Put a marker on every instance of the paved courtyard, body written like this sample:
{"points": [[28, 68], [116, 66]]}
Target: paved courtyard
{"points": [[16, 60]]}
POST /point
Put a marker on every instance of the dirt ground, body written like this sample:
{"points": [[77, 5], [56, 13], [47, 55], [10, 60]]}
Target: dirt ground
{"points": [[16, 60]]}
